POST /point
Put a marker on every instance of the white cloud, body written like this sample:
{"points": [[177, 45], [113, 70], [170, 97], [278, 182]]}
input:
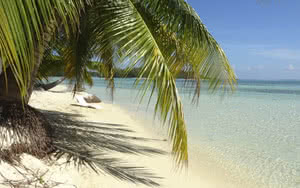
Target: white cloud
{"points": [[291, 67], [255, 68], [286, 54]]}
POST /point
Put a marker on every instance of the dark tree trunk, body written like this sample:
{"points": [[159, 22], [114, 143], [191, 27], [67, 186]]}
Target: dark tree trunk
{"points": [[38, 56], [22, 128], [11, 91]]}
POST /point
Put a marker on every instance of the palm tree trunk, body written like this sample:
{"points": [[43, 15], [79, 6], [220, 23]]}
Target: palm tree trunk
{"points": [[9, 91], [20, 124], [38, 55]]}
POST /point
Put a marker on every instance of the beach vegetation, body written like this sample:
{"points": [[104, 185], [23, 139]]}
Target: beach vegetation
{"points": [[159, 39]]}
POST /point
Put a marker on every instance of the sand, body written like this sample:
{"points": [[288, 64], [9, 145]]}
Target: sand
{"points": [[132, 132]]}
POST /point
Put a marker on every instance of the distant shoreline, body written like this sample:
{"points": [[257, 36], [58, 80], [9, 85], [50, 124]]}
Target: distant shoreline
{"points": [[242, 80]]}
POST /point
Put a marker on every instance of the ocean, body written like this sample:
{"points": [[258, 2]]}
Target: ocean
{"points": [[253, 134]]}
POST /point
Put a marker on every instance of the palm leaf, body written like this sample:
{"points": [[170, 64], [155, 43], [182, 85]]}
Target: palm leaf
{"points": [[137, 29], [23, 23], [84, 53], [162, 37]]}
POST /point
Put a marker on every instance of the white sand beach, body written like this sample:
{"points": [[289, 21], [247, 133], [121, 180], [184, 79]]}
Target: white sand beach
{"points": [[112, 120]]}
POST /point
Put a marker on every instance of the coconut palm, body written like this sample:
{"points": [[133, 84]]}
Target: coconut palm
{"points": [[163, 38]]}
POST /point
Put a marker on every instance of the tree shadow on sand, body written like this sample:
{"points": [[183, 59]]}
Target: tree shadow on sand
{"points": [[89, 143]]}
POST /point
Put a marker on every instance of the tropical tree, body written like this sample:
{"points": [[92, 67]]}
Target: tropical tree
{"points": [[163, 38]]}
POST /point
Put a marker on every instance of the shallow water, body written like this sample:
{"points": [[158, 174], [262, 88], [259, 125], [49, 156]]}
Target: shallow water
{"points": [[253, 134]]}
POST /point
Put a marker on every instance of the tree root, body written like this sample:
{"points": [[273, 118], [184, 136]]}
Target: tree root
{"points": [[23, 129]]}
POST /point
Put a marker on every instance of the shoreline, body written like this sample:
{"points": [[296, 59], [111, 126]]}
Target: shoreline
{"points": [[202, 164], [112, 117]]}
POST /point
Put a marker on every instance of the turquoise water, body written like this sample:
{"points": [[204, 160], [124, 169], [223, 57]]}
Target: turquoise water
{"points": [[253, 134]]}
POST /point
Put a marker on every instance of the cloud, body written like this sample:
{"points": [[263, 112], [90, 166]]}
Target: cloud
{"points": [[255, 68], [291, 67], [286, 54]]}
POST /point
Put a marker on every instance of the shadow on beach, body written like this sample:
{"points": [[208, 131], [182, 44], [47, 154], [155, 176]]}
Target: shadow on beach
{"points": [[90, 144]]}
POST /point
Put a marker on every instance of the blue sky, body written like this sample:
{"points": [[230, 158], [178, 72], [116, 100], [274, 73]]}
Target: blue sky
{"points": [[260, 37]]}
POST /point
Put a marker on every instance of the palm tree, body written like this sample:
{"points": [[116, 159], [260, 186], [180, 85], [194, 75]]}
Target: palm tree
{"points": [[162, 37], [26, 29]]}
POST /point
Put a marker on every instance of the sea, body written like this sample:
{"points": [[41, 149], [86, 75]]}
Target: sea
{"points": [[253, 133]]}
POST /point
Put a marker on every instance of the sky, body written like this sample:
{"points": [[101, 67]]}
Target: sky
{"points": [[261, 38]]}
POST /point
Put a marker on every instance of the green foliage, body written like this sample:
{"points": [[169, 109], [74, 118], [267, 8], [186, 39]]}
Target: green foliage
{"points": [[163, 38], [23, 23], [154, 39], [58, 70]]}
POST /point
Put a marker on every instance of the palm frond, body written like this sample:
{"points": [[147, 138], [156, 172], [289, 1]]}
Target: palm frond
{"points": [[203, 55], [141, 47], [83, 51], [52, 65], [106, 63], [163, 38], [21, 31], [77, 53]]}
